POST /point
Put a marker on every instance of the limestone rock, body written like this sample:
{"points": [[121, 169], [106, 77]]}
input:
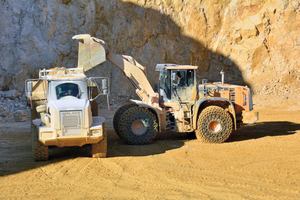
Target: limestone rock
{"points": [[12, 94], [248, 29], [4, 113], [20, 116], [255, 42]]}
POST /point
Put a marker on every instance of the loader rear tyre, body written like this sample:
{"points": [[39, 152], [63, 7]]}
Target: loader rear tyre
{"points": [[214, 125], [138, 126], [99, 150], [118, 115], [40, 152]]}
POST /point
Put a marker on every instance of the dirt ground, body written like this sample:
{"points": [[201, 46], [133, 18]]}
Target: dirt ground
{"points": [[261, 161]]}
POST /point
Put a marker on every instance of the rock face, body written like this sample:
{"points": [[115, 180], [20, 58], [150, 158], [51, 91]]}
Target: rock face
{"points": [[13, 106], [256, 42]]}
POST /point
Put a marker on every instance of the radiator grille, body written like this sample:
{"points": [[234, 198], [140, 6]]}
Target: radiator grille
{"points": [[232, 95], [71, 123]]}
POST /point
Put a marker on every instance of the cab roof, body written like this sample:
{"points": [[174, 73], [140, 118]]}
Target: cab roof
{"points": [[161, 67]]}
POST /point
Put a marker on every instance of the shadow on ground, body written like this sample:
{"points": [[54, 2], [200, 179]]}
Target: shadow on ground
{"points": [[16, 152], [163, 142], [264, 129]]}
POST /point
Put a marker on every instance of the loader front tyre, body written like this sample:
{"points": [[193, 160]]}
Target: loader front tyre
{"points": [[99, 150], [214, 125], [138, 126], [40, 152], [118, 115]]}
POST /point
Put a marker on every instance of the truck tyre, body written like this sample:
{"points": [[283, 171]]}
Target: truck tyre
{"points": [[214, 125], [40, 152], [138, 126], [118, 115], [99, 150]]}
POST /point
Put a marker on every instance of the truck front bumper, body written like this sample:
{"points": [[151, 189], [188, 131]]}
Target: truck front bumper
{"points": [[249, 117], [70, 141], [51, 137]]}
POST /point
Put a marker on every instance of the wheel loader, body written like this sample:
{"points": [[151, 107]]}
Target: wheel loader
{"points": [[64, 113], [183, 104]]}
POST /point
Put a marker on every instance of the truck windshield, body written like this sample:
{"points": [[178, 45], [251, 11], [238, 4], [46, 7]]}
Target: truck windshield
{"points": [[67, 89]]}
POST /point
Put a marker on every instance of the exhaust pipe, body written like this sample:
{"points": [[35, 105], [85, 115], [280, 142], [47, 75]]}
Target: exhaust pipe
{"points": [[222, 76]]}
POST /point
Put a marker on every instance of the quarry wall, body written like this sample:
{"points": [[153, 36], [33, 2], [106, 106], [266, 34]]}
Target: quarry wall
{"points": [[256, 42]]}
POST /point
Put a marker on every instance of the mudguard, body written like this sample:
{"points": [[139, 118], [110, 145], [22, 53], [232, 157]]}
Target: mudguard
{"points": [[200, 101]]}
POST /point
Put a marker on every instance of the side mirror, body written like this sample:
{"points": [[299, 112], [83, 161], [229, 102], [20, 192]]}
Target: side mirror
{"points": [[98, 86], [29, 87], [104, 86]]}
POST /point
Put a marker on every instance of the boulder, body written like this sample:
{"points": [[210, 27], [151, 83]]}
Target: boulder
{"points": [[4, 113], [20, 116], [12, 94]]}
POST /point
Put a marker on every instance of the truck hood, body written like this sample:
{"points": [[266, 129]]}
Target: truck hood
{"points": [[68, 104]]}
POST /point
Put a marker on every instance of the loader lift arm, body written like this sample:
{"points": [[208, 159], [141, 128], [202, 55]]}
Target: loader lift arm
{"points": [[93, 51]]}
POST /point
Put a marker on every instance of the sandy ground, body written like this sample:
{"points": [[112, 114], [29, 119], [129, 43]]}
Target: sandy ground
{"points": [[261, 161]]}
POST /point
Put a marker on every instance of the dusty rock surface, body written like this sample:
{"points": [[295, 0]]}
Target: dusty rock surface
{"points": [[13, 106], [257, 162], [255, 42]]}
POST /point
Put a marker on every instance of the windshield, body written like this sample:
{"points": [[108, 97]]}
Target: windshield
{"points": [[67, 89], [165, 83], [183, 78]]}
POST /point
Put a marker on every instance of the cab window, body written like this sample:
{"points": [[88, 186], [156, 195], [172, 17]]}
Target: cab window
{"points": [[179, 78], [190, 77], [165, 83], [67, 89]]}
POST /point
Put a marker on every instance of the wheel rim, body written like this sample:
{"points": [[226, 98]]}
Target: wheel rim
{"points": [[214, 126], [138, 128]]}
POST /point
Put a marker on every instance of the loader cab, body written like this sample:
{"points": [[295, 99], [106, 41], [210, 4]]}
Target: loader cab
{"points": [[177, 83]]}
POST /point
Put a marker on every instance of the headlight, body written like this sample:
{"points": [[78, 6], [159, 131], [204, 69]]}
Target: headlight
{"points": [[96, 132]]}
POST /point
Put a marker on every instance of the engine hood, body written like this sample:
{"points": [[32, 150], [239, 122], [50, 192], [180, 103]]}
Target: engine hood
{"points": [[55, 107], [68, 104]]}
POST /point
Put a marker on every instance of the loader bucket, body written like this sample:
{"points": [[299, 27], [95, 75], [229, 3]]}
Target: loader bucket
{"points": [[91, 52]]}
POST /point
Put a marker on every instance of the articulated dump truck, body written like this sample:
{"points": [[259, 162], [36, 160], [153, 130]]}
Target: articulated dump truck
{"points": [[64, 113]]}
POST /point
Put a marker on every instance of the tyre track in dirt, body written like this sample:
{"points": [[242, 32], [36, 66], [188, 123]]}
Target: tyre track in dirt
{"points": [[257, 162]]}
